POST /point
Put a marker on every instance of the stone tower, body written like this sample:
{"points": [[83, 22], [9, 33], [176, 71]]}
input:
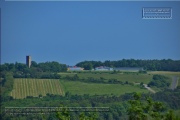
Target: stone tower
{"points": [[28, 61]]}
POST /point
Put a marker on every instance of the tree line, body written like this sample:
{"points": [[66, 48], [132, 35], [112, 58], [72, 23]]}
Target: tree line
{"points": [[37, 70], [127, 106], [154, 65], [96, 80]]}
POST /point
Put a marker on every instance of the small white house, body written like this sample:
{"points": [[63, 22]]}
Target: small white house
{"points": [[75, 68], [103, 68]]}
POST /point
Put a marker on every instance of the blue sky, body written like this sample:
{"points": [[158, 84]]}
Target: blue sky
{"points": [[71, 32]]}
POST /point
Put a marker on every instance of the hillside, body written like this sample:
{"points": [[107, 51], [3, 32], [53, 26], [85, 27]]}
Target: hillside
{"points": [[80, 83]]}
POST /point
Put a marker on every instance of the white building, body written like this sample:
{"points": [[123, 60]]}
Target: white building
{"points": [[75, 68], [103, 68]]}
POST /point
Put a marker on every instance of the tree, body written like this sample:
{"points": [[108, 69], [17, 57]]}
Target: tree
{"points": [[34, 64], [63, 115], [148, 109], [8, 82], [171, 116], [40, 95], [88, 66], [136, 112], [159, 81]]}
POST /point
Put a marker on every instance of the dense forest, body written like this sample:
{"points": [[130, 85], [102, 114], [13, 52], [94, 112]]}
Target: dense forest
{"points": [[153, 65]]}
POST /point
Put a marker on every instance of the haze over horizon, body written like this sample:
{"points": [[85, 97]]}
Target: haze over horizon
{"points": [[71, 32]]}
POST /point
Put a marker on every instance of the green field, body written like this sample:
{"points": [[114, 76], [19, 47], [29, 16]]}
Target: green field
{"points": [[35, 87], [80, 88], [123, 76], [130, 77], [165, 73]]}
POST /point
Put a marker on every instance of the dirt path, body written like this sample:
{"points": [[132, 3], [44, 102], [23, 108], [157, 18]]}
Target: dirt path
{"points": [[145, 85]]}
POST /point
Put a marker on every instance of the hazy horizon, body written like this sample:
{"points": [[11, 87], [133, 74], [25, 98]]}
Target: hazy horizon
{"points": [[82, 61]]}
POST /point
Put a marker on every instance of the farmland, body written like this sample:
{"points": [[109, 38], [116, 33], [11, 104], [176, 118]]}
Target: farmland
{"points": [[24, 87], [123, 76], [120, 76], [165, 73], [35, 87], [80, 88]]}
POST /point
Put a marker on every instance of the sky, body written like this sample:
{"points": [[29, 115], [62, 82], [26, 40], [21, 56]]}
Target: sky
{"points": [[71, 32]]}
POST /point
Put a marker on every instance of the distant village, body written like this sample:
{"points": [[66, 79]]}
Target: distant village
{"points": [[104, 68], [100, 68]]}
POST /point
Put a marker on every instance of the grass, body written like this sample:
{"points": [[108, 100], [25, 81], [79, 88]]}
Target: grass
{"points": [[80, 88], [177, 113], [123, 76], [130, 77], [164, 72], [34, 87]]}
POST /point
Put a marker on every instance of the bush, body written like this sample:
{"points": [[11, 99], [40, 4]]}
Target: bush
{"points": [[159, 81]]}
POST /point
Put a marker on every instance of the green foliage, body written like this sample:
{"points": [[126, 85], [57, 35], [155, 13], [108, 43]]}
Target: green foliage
{"points": [[159, 81], [86, 65], [106, 77], [141, 110], [136, 112], [153, 65], [90, 116], [148, 109], [171, 116], [47, 70], [52, 67], [170, 97], [40, 95], [141, 84], [63, 115], [117, 104], [90, 89], [159, 77], [8, 81], [7, 84]]}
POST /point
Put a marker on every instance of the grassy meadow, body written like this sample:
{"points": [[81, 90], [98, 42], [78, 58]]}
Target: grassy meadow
{"points": [[80, 88], [130, 77]]}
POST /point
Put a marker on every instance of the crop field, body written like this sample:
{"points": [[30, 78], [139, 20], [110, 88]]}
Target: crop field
{"points": [[80, 88], [167, 73], [122, 76], [35, 87], [130, 77]]}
